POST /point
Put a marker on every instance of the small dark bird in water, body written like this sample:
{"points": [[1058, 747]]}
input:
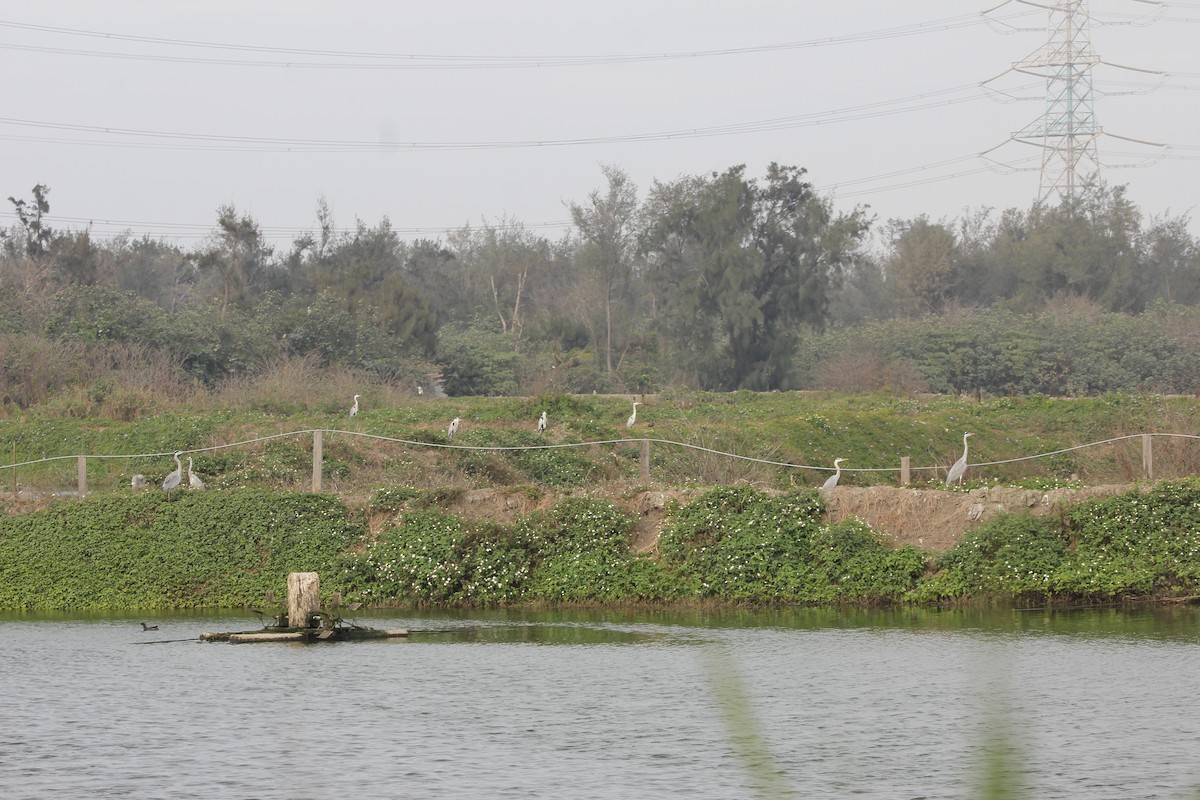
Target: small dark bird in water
{"points": [[146, 627]]}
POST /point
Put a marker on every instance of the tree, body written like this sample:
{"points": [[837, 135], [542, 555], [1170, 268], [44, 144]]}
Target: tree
{"points": [[78, 261], [35, 234], [1171, 262], [606, 226], [922, 263], [238, 254], [738, 266]]}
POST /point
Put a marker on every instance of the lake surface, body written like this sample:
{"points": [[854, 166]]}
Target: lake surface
{"points": [[795, 703]]}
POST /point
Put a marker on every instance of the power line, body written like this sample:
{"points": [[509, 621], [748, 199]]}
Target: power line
{"points": [[427, 61], [182, 140]]}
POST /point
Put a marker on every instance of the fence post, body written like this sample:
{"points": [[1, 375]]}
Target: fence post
{"points": [[645, 473], [318, 457], [1147, 457], [905, 470], [81, 468]]}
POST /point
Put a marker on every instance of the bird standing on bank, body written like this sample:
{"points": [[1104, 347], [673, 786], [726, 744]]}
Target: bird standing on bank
{"points": [[354, 408], [633, 417], [173, 478], [832, 480], [194, 481], [960, 467], [453, 429], [542, 422]]}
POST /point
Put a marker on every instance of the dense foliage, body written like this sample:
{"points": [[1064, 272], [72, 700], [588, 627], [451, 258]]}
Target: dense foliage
{"points": [[1077, 351], [1138, 544], [739, 544], [729, 545], [149, 551], [722, 281]]}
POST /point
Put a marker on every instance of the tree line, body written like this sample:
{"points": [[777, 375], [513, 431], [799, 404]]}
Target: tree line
{"points": [[721, 281]]}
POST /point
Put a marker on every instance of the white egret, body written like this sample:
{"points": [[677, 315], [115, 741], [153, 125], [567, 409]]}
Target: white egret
{"points": [[354, 408], [138, 482], [173, 478], [420, 390], [194, 481], [453, 429], [542, 422], [633, 417], [960, 467], [832, 480]]}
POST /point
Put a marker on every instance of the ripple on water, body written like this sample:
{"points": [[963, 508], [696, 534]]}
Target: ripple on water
{"points": [[598, 709]]}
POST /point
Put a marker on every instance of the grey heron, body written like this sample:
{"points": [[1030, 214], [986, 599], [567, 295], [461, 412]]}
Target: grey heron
{"points": [[633, 417], [542, 422], [960, 467], [194, 481], [453, 429], [354, 408], [832, 480], [138, 482], [173, 478]]}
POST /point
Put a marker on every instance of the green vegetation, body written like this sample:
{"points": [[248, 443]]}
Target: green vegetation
{"points": [[731, 545], [721, 281], [149, 551], [404, 438], [738, 544], [1139, 544]]}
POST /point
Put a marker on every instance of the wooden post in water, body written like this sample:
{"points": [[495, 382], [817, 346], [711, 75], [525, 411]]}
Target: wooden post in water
{"points": [[905, 470], [318, 457], [645, 471], [1147, 457], [81, 471], [303, 597]]}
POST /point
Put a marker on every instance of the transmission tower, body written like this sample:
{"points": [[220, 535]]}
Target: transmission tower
{"points": [[1067, 131]]}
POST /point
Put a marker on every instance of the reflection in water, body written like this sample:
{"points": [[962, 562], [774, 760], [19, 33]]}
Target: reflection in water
{"points": [[610, 704]]}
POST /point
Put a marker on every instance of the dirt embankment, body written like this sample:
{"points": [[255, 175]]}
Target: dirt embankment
{"points": [[935, 521], [928, 519]]}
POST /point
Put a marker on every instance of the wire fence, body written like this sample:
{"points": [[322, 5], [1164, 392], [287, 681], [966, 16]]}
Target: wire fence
{"points": [[904, 468]]}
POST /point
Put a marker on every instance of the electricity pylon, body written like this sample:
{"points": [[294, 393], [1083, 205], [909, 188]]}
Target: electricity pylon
{"points": [[1067, 131]]}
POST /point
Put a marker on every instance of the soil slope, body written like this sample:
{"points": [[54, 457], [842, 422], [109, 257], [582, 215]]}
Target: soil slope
{"points": [[927, 519]]}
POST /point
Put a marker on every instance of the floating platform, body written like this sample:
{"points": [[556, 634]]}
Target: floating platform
{"points": [[272, 634]]}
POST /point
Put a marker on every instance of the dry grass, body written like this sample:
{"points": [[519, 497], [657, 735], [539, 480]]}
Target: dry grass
{"points": [[302, 384]]}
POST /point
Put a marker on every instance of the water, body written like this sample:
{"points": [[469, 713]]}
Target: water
{"points": [[903, 704]]}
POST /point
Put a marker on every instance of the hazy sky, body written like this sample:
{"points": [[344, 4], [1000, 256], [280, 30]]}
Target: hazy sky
{"points": [[150, 115]]}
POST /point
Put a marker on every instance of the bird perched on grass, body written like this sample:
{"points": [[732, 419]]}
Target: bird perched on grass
{"points": [[354, 408], [960, 467], [138, 482], [633, 417], [194, 481], [832, 480], [174, 477], [542, 423], [453, 429]]}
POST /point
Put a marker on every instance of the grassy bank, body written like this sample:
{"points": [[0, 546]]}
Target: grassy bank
{"points": [[873, 431], [729, 545]]}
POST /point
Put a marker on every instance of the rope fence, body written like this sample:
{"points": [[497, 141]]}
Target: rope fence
{"points": [[905, 469]]}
